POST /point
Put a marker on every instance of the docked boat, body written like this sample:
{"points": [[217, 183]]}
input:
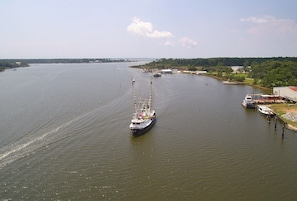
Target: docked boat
{"points": [[228, 82], [144, 116], [263, 109], [157, 75], [248, 102]]}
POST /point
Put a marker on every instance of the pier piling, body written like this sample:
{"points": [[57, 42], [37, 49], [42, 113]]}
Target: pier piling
{"points": [[283, 131]]}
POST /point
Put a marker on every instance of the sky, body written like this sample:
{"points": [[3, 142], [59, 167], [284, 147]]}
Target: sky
{"points": [[147, 28]]}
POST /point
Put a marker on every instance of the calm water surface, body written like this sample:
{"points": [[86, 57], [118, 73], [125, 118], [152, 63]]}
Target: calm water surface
{"points": [[64, 136]]}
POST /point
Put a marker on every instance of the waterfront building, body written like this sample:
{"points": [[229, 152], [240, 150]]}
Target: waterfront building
{"points": [[288, 93]]}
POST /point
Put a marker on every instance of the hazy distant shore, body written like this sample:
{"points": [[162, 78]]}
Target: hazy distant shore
{"points": [[16, 63]]}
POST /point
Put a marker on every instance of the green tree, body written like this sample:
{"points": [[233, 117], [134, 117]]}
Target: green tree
{"points": [[239, 78], [192, 68], [246, 66], [228, 70], [219, 69], [279, 76]]}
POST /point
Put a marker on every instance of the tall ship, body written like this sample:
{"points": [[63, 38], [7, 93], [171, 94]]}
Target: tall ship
{"points": [[144, 116]]}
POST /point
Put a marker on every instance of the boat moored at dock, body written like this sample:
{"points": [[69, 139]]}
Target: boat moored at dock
{"points": [[248, 102], [228, 82], [157, 75], [265, 110]]}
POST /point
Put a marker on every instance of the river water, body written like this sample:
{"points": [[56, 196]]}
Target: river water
{"points": [[64, 136]]}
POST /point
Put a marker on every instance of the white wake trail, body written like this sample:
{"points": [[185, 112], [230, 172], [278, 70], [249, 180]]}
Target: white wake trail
{"points": [[29, 144]]}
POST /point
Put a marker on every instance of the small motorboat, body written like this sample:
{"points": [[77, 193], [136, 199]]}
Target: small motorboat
{"points": [[263, 109]]}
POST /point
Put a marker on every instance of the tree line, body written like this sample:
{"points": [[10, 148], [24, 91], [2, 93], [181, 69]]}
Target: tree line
{"points": [[274, 73], [5, 63], [210, 62], [15, 63], [78, 60], [267, 72]]}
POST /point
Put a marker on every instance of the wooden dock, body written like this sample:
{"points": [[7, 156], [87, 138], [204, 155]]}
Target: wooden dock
{"points": [[261, 102], [267, 99]]}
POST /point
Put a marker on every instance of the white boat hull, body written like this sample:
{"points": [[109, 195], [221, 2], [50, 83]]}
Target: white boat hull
{"points": [[141, 130], [263, 109], [248, 102]]}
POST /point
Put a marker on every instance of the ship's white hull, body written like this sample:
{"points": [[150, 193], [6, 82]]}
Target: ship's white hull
{"points": [[263, 109], [248, 102], [139, 130]]}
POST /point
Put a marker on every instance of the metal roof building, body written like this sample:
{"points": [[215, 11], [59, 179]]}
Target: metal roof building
{"points": [[289, 93]]}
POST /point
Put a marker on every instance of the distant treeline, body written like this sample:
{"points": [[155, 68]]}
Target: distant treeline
{"points": [[15, 63], [267, 72], [209, 62], [83, 60]]}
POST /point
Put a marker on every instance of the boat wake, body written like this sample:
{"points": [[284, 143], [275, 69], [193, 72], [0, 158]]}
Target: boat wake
{"points": [[43, 135], [34, 141]]}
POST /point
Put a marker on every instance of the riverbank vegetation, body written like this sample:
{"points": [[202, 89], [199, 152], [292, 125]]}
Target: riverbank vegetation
{"points": [[263, 72], [6, 64]]}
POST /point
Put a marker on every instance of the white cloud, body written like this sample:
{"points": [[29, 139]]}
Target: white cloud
{"points": [[269, 35], [258, 20], [187, 42], [270, 24], [146, 29], [169, 43]]}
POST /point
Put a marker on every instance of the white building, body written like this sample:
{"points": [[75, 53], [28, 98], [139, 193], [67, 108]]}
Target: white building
{"points": [[166, 71], [289, 93], [237, 69]]}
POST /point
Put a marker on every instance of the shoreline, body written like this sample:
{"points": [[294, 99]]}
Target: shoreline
{"points": [[290, 127], [239, 83], [287, 122], [285, 109]]}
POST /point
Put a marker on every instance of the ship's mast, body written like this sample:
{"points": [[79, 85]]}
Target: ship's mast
{"points": [[150, 95], [142, 103], [134, 96]]}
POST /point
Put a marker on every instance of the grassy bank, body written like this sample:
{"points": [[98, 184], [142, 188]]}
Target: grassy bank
{"points": [[281, 109], [247, 81]]}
